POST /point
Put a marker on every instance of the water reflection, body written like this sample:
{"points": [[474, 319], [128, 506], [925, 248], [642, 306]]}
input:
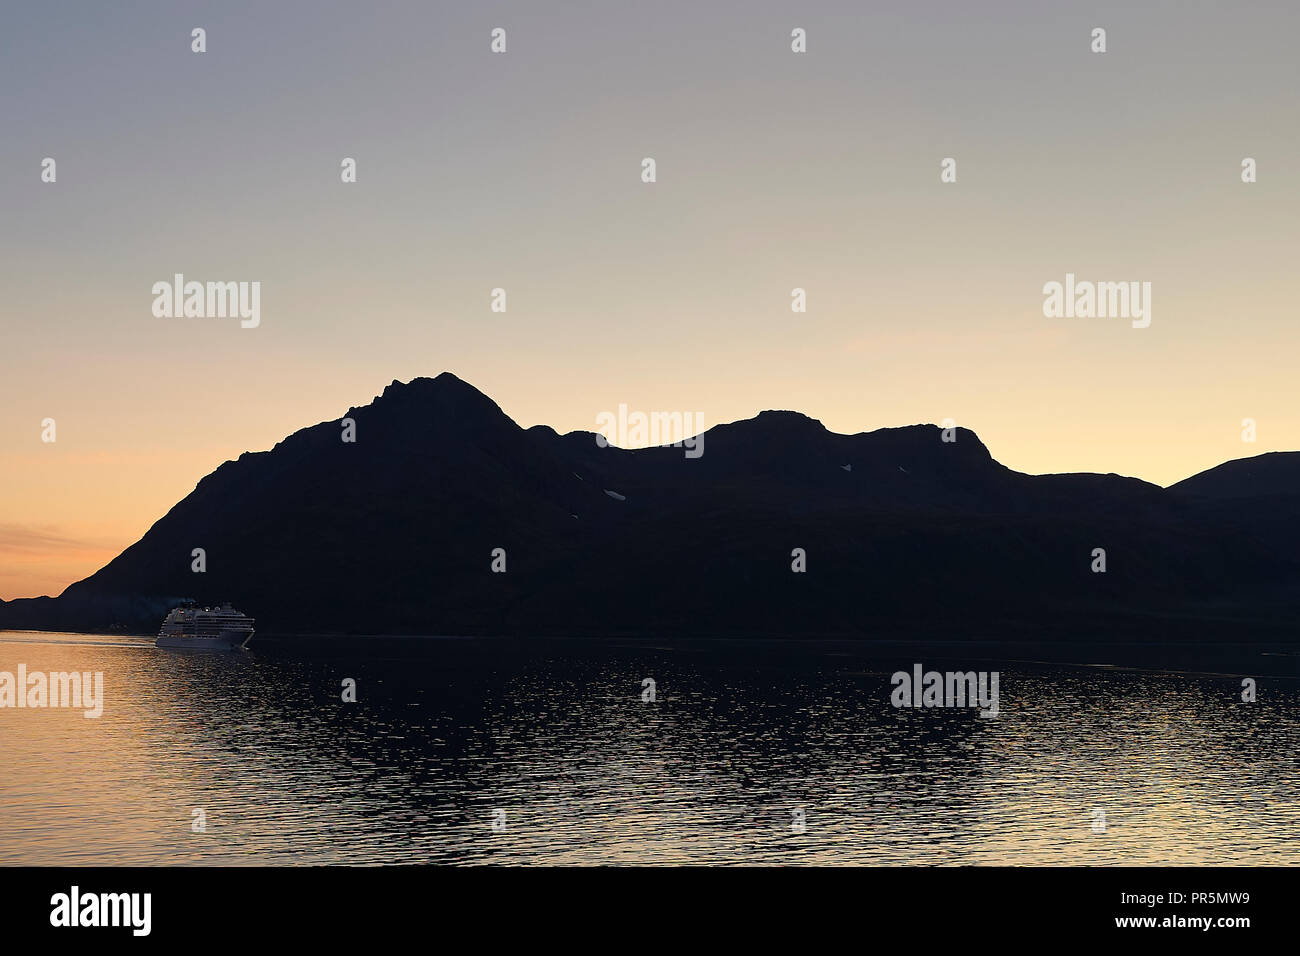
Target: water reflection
{"points": [[446, 732]]}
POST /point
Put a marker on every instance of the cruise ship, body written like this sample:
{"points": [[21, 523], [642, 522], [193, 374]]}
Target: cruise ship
{"points": [[208, 628]]}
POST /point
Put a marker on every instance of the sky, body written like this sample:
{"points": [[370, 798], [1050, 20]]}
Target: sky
{"points": [[522, 171]]}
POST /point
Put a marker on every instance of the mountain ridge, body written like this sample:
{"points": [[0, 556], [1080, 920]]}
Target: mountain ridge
{"points": [[395, 532]]}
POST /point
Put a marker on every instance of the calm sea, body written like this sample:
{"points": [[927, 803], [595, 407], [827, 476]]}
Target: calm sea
{"points": [[482, 751]]}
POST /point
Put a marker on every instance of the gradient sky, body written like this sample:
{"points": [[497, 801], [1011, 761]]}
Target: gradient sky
{"points": [[775, 170]]}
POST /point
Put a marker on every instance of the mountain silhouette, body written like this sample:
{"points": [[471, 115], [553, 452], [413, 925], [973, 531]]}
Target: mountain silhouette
{"points": [[1273, 473], [903, 533]]}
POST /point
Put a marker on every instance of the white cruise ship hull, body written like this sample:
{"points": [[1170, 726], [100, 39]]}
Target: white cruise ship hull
{"points": [[227, 641]]}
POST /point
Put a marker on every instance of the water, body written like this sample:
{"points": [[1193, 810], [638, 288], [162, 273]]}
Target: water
{"points": [[448, 732]]}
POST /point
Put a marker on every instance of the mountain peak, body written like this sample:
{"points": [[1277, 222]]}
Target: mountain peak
{"points": [[780, 421], [443, 395], [442, 383], [776, 415]]}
